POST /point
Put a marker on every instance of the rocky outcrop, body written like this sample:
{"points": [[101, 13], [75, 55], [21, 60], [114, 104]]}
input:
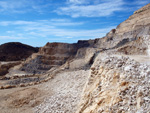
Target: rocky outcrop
{"points": [[4, 68], [52, 55], [83, 59], [116, 85], [143, 9], [137, 25], [137, 47], [15, 51]]}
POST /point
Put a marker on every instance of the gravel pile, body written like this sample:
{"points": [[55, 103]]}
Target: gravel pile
{"points": [[66, 89], [117, 85], [136, 97]]}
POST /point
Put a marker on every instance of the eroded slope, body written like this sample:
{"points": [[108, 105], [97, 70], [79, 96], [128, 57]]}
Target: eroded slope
{"points": [[116, 84]]}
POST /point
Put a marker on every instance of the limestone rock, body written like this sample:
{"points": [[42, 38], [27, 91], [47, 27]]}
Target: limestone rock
{"points": [[116, 89], [52, 55], [137, 25]]}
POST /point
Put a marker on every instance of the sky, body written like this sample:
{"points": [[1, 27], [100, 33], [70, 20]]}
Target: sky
{"points": [[36, 22]]}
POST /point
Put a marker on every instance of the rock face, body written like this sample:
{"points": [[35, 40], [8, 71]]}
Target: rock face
{"points": [[137, 47], [119, 84], [15, 51], [116, 84], [143, 9], [138, 25], [52, 55], [5, 67]]}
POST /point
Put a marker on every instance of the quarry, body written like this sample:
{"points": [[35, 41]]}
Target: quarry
{"points": [[103, 75]]}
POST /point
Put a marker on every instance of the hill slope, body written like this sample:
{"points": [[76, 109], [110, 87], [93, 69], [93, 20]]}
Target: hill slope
{"points": [[15, 51]]}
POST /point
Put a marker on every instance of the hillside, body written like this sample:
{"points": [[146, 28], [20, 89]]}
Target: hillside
{"points": [[15, 51]]}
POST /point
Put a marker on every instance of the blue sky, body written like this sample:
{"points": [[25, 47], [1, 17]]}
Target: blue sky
{"points": [[36, 22]]}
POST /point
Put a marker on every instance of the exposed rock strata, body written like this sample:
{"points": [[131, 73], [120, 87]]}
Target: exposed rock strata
{"points": [[116, 85], [52, 55], [140, 46], [138, 25], [4, 68]]}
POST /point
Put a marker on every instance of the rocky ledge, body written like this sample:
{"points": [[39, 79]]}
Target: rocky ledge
{"points": [[52, 55]]}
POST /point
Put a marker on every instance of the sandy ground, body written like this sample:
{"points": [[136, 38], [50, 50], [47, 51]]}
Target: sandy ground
{"points": [[20, 100]]}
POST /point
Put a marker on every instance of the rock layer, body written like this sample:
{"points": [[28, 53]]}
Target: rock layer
{"points": [[52, 55], [116, 84], [137, 25]]}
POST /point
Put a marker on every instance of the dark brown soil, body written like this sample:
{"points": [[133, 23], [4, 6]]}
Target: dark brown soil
{"points": [[15, 51]]}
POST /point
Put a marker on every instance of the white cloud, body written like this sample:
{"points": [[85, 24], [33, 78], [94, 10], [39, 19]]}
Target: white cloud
{"points": [[141, 2], [6, 23], [22, 6], [52, 22], [12, 5], [135, 5], [10, 32], [59, 20], [11, 37], [48, 28], [69, 37], [63, 22], [77, 1], [67, 33], [95, 10]]}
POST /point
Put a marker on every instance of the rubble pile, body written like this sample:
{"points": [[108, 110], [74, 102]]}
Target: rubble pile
{"points": [[117, 84]]}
